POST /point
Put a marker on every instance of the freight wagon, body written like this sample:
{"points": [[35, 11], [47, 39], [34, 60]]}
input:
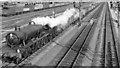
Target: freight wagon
{"points": [[15, 9]]}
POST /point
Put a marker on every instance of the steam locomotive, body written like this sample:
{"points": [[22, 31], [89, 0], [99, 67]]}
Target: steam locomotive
{"points": [[24, 41]]}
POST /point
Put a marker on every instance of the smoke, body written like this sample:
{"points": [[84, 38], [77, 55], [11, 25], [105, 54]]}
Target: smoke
{"points": [[60, 20], [41, 20]]}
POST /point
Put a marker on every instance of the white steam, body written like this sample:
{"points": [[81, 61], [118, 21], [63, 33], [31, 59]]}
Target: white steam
{"points": [[60, 20]]}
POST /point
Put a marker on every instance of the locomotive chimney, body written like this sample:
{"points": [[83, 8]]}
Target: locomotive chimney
{"points": [[17, 28]]}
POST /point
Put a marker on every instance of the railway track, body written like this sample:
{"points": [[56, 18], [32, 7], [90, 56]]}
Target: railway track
{"points": [[99, 51], [111, 54], [77, 47]]}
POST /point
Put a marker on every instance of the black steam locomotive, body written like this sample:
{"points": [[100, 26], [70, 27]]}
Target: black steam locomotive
{"points": [[24, 41]]}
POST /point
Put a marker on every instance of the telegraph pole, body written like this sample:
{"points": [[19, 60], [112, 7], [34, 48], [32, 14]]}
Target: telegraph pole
{"points": [[54, 9], [118, 13], [79, 12]]}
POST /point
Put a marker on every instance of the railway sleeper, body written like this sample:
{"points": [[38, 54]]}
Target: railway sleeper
{"points": [[113, 56], [109, 56]]}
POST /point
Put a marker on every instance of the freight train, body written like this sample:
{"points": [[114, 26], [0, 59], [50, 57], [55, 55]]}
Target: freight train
{"points": [[23, 42], [15, 9]]}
